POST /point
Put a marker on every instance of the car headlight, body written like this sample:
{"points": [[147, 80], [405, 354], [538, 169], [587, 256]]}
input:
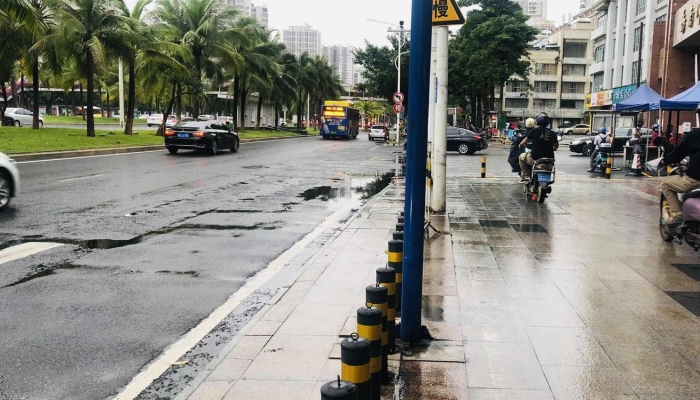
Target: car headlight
{"points": [[575, 142]]}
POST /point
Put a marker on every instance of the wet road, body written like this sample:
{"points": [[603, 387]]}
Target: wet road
{"points": [[152, 244]]}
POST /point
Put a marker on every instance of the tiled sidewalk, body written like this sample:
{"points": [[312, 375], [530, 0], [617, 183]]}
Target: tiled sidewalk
{"points": [[291, 348]]}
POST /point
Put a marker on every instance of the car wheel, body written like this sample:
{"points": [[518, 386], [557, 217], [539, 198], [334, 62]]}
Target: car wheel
{"points": [[17, 123], [173, 150], [149, 125], [236, 144], [41, 124], [5, 190], [213, 148], [587, 150], [567, 133], [370, 138], [471, 151], [464, 149]]}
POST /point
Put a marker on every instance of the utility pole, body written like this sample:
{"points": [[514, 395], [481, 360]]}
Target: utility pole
{"points": [[397, 62], [121, 94], [439, 162]]}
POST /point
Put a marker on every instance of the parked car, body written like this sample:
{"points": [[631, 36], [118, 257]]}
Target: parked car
{"points": [[154, 120], [377, 132], [201, 135], [22, 117], [9, 180], [580, 129], [172, 121], [465, 141], [622, 136], [582, 146], [227, 119], [206, 117]]}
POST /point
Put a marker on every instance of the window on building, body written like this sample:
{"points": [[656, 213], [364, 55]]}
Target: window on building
{"points": [[623, 7], [635, 72], [517, 103], [599, 53], [622, 75], [516, 86], [544, 103], [637, 38], [572, 104], [575, 49], [575, 87], [612, 78], [574, 70], [545, 69], [597, 82], [614, 48], [641, 6], [624, 44], [661, 18], [545, 87], [602, 20]]}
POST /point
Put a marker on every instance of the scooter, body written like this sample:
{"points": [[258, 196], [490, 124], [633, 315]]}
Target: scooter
{"points": [[540, 184], [689, 230], [600, 164]]}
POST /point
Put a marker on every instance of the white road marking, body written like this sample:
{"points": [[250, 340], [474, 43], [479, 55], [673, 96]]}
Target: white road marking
{"points": [[182, 346], [25, 250], [77, 178]]}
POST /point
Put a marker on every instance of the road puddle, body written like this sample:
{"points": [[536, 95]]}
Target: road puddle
{"points": [[350, 193]]}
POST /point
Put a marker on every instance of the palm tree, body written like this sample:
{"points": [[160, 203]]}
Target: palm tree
{"points": [[207, 30], [87, 31], [43, 20]]}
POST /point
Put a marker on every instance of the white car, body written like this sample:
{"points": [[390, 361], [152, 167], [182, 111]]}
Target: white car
{"points": [[171, 121], [9, 180], [22, 117], [377, 132], [154, 120], [206, 117]]}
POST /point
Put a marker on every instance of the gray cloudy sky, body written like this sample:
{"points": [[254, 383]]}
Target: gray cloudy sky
{"points": [[346, 22]]}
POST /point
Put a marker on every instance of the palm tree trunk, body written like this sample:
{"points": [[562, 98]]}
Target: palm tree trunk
{"points": [[3, 106], [72, 98], [35, 94], [236, 92], [167, 111], [109, 108], [129, 127], [13, 89], [178, 105], [99, 98], [90, 95], [299, 111], [196, 103], [259, 115], [277, 114], [21, 89], [244, 96]]}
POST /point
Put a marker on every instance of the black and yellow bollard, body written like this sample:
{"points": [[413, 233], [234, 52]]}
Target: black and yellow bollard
{"points": [[339, 390], [608, 170], [397, 235], [399, 227], [395, 261], [401, 220], [355, 364], [387, 277], [369, 326], [483, 167], [378, 296], [669, 169], [428, 174]]}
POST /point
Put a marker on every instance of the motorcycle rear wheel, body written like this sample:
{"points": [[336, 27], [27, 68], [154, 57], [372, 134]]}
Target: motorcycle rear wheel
{"points": [[665, 234], [541, 195]]}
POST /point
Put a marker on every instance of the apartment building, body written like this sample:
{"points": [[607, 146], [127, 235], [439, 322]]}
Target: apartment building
{"points": [[342, 60], [261, 15], [247, 9], [535, 9], [559, 80], [302, 39]]}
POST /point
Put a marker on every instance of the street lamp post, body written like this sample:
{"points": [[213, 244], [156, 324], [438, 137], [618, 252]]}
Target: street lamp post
{"points": [[397, 62]]}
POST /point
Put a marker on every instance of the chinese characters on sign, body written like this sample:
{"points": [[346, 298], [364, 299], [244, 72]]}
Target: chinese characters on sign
{"points": [[440, 9], [447, 12]]}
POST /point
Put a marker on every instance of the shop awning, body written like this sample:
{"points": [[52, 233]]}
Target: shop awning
{"points": [[686, 101], [642, 99]]}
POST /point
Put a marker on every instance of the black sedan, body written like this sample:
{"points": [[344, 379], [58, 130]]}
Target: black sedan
{"points": [[201, 135], [622, 136], [465, 141], [582, 146]]}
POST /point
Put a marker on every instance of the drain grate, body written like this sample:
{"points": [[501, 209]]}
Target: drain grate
{"points": [[530, 228], [692, 270], [689, 300]]}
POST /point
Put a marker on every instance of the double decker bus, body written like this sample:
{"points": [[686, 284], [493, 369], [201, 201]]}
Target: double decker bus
{"points": [[338, 119]]}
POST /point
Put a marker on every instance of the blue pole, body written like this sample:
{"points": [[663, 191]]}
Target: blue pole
{"points": [[417, 147]]}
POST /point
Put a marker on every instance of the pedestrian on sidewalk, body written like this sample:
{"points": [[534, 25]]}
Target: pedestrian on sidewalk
{"points": [[638, 150]]}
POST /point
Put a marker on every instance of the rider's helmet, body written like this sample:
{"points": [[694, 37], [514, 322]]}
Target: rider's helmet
{"points": [[542, 119], [655, 127], [530, 123], [602, 130]]}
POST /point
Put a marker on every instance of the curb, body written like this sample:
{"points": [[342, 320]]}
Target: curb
{"points": [[57, 155]]}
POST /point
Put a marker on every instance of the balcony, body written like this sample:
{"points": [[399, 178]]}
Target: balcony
{"points": [[596, 68], [576, 60], [567, 113], [515, 95], [573, 96], [575, 78], [601, 5], [573, 113], [546, 78], [546, 96], [599, 32]]}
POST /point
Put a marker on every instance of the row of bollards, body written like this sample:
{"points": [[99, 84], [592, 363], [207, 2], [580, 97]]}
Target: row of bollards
{"points": [[364, 356]]}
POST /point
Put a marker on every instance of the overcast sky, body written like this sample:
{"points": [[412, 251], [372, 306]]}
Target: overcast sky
{"points": [[345, 22]]}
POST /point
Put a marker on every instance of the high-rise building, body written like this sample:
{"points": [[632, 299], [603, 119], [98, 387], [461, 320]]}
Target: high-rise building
{"points": [[358, 74], [249, 10], [342, 60], [535, 9], [302, 39]]}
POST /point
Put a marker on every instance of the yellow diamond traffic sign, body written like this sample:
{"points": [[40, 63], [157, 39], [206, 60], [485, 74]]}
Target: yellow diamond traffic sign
{"points": [[447, 12]]}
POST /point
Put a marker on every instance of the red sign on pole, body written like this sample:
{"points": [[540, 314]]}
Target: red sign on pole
{"points": [[398, 108]]}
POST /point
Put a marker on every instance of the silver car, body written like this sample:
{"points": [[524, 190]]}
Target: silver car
{"points": [[9, 180], [377, 132], [22, 117]]}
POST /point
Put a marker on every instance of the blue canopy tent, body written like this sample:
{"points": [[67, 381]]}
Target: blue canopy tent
{"points": [[686, 101], [642, 99]]}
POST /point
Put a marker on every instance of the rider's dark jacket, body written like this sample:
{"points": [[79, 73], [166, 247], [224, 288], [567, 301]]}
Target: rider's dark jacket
{"points": [[689, 147]]}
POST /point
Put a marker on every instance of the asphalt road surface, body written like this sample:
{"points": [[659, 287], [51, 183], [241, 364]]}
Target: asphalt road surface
{"points": [[151, 244]]}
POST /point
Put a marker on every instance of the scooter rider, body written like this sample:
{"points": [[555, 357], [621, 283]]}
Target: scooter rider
{"points": [[544, 143], [672, 185], [601, 137], [515, 149]]}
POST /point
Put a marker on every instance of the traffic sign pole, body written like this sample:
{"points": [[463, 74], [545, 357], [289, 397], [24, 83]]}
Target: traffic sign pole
{"points": [[421, 26], [439, 195]]}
